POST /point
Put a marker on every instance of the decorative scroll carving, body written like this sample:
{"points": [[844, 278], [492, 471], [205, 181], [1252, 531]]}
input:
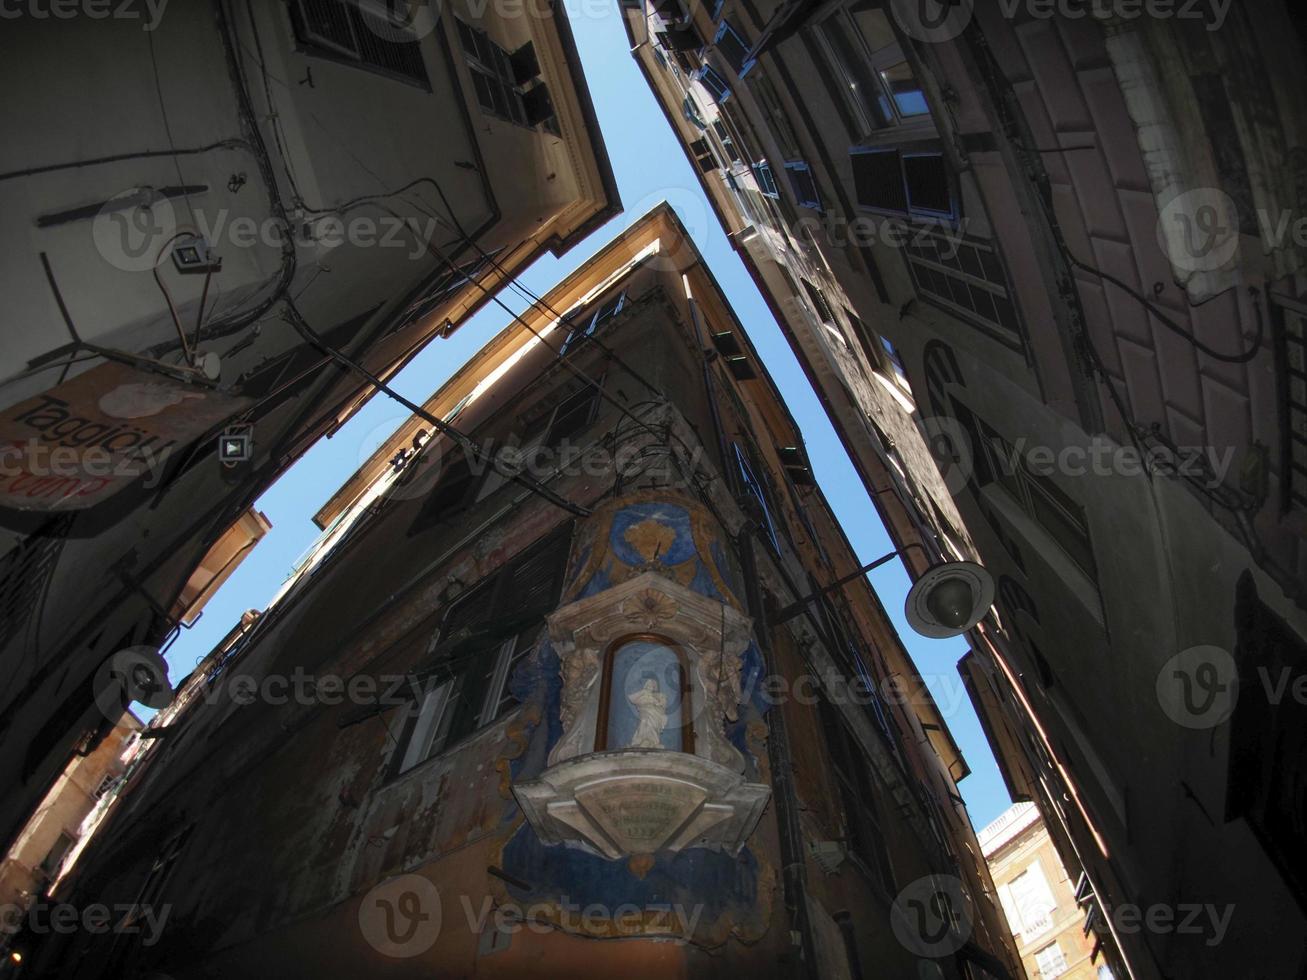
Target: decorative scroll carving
{"points": [[635, 801], [713, 635]]}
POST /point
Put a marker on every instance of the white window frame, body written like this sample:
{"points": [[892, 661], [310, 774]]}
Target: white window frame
{"points": [[426, 739], [430, 732], [1057, 961], [878, 62]]}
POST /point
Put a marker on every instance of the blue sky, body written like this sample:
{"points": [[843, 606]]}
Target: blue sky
{"points": [[650, 166]]}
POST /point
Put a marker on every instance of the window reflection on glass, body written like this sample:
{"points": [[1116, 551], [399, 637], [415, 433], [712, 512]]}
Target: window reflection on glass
{"points": [[908, 97], [874, 24], [646, 709]]}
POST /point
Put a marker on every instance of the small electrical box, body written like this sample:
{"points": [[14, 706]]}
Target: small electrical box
{"points": [[191, 254]]}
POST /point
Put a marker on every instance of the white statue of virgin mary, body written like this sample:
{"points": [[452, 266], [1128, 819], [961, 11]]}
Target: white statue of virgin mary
{"points": [[651, 706]]}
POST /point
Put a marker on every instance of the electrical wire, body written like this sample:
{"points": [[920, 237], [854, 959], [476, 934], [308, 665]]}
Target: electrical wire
{"points": [[172, 307], [1243, 357], [541, 304], [296, 319], [557, 351], [122, 157], [167, 126]]}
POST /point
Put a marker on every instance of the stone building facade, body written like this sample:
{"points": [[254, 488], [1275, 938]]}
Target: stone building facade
{"points": [[1054, 244], [622, 719], [205, 197], [1040, 900]]}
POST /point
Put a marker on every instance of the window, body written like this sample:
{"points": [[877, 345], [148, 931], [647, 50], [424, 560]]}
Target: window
{"points": [[554, 420], [1294, 471], [453, 491], [965, 276], [484, 636], [681, 38], [25, 571], [880, 89], [703, 156], [690, 109], [894, 362], [766, 182], [1051, 961], [107, 782], [929, 189], [758, 495], [773, 111], [539, 106], [606, 310], [128, 935], [713, 84], [645, 700], [818, 300], [344, 31], [446, 287], [572, 416], [1028, 903], [998, 461], [1264, 782], [728, 141], [803, 185], [492, 75], [728, 346], [795, 461], [49, 865], [733, 48], [865, 836], [878, 180], [457, 410], [916, 184], [464, 703]]}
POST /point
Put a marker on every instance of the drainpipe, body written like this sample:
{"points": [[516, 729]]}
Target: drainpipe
{"points": [[708, 390], [793, 867]]}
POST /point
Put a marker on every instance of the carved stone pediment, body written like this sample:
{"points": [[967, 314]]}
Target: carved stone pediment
{"points": [[639, 801]]}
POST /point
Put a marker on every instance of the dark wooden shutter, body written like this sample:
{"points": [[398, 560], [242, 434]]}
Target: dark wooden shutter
{"points": [[878, 180]]}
